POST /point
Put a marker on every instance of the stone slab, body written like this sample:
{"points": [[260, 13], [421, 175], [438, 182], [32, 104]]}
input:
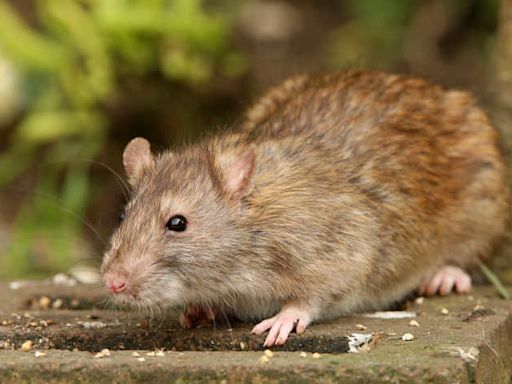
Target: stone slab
{"points": [[460, 339]]}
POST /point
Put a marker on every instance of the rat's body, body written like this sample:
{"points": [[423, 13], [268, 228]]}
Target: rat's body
{"points": [[340, 193]]}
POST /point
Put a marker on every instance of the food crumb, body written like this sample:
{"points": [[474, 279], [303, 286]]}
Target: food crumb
{"points": [[102, 353], [268, 353], [135, 354], [444, 312], [414, 323], [27, 346], [407, 337], [303, 354], [316, 355], [419, 300], [39, 354], [44, 302], [57, 304], [141, 359], [361, 327], [264, 359]]}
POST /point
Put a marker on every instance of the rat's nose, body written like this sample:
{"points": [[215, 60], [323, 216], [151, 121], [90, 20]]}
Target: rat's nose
{"points": [[117, 286], [115, 282]]}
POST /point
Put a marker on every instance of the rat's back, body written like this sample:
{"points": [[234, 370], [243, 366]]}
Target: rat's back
{"points": [[419, 167]]}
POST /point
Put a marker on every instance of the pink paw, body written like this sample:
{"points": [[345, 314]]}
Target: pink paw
{"points": [[197, 316], [446, 280], [281, 325]]}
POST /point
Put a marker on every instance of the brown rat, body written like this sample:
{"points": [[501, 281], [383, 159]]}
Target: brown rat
{"points": [[339, 193]]}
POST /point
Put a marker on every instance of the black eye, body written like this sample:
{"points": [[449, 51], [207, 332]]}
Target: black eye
{"points": [[177, 223], [122, 216]]}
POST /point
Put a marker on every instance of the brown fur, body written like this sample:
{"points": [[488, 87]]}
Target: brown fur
{"points": [[356, 187]]}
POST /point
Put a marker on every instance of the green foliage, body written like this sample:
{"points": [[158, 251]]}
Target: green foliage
{"points": [[379, 31], [72, 65]]}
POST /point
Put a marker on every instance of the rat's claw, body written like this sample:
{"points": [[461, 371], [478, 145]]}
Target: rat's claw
{"points": [[446, 280], [281, 325]]}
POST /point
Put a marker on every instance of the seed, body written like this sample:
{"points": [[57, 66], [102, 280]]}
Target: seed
{"points": [[407, 337], [27, 346], [39, 354], [242, 345], [414, 323], [316, 355], [102, 353], [135, 354], [264, 359], [57, 304], [303, 354], [44, 302], [268, 353], [444, 311], [361, 327], [141, 359], [160, 353]]}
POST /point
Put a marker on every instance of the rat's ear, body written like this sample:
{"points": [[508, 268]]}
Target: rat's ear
{"points": [[137, 157], [238, 174]]}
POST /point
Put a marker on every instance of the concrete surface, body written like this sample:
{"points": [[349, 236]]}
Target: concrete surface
{"points": [[460, 339]]}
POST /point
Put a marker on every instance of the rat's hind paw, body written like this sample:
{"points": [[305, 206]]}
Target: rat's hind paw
{"points": [[281, 325], [446, 280], [197, 316]]}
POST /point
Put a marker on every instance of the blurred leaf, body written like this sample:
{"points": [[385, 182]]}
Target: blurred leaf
{"points": [[30, 49], [44, 126]]}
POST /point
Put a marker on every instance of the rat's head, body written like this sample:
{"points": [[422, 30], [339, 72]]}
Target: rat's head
{"points": [[182, 227]]}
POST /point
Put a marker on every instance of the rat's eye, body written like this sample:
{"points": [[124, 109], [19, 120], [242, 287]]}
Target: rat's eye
{"points": [[122, 216], [177, 223]]}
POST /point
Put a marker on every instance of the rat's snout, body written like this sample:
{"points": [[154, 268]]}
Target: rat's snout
{"points": [[116, 282]]}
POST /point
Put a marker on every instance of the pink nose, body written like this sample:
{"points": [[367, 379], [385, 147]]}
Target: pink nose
{"points": [[117, 286]]}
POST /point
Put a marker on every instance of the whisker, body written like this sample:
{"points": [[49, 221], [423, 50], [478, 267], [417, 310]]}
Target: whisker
{"points": [[55, 200]]}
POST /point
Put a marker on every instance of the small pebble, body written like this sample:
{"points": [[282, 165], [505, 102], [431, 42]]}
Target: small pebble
{"points": [[316, 355], [264, 359], [407, 337], [141, 359], [39, 354], [27, 346], [268, 353], [361, 327], [444, 312], [303, 354], [414, 323]]}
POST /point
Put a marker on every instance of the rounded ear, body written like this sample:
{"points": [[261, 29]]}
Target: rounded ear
{"points": [[239, 172], [137, 158]]}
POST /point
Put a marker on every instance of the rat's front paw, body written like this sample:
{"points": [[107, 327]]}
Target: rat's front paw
{"points": [[197, 316], [446, 280], [281, 325]]}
